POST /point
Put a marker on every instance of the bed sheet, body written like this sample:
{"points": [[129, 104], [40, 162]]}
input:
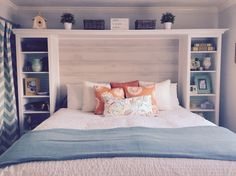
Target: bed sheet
{"points": [[76, 119]]}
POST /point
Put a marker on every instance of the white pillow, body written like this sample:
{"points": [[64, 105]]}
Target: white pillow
{"points": [[89, 99], [74, 96], [162, 94], [173, 94]]}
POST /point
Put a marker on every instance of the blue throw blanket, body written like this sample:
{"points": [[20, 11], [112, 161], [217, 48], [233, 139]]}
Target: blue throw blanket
{"points": [[65, 144]]}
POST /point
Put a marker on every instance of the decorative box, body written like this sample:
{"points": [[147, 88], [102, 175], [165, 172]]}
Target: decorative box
{"points": [[94, 24], [119, 23], [145, 24]]}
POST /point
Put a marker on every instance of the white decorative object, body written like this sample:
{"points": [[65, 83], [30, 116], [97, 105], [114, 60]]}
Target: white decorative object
{"points": [[39, 22], [119, 24], [36, 65], [207, 63], [168, 25], [68, 26]]}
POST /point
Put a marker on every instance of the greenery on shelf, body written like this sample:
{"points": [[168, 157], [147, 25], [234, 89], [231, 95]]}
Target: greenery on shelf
{"points": [[167, 17], [67, 18]]}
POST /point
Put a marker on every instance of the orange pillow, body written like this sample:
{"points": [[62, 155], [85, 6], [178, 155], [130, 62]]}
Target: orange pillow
{"points": [[123, 85], [143, 91], [99, 91]]}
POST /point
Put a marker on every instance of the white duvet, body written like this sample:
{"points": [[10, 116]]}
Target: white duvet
{"points": [[74, 119]]}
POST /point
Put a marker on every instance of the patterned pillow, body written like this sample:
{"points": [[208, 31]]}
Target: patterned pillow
{"points": [[100, 91], [130, 106], [123, 85], [142, 91]]}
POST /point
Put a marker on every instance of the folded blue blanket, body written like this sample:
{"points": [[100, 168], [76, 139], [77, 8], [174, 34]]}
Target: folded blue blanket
{"points": [[210, 142]]}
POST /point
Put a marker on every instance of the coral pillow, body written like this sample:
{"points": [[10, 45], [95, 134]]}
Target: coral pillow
{"points": [[142, 91], [130, 106], [123, 85], [100, 91]]}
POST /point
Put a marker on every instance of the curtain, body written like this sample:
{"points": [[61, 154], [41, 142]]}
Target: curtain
{"points": [[8, 114]]}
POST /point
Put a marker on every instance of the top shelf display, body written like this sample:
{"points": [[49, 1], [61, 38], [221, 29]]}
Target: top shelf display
{"points": [[203, 45], [34, 45]]}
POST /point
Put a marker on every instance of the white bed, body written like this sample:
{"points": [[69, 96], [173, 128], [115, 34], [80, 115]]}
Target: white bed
{"points": [[75, 119]]}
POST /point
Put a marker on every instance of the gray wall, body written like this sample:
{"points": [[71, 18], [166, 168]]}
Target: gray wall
{"points": [[228, 78], [185, 17]]}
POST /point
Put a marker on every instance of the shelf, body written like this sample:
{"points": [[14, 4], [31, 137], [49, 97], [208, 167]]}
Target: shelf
{"points": [[202, 52], [34, 72], [34, 52], [36, 112], [36, 96], [202, 95], [202, 110], [204, 71]]}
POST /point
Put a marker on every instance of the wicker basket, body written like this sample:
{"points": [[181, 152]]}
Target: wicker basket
{"points": [[94, 24], [145, 24]]}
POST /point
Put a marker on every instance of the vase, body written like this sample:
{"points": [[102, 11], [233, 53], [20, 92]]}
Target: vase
{"points": [[206, 63], [36, 65], [68, 26], [168, 25]]}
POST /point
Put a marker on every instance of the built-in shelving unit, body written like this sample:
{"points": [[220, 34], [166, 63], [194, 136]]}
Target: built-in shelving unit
{"points": [[37, 73], [186, 39]]}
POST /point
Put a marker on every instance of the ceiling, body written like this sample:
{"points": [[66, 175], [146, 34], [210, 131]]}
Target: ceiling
{"points": [[120, 3]]}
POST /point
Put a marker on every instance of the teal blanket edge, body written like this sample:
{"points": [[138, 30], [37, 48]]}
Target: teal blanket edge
{"points": [[203, 142]]}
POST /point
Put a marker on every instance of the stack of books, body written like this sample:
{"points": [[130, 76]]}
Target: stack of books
{"points": [[203, 47]]}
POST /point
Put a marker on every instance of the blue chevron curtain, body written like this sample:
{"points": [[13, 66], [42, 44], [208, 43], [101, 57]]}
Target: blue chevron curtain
{"points": [[8, 113]]}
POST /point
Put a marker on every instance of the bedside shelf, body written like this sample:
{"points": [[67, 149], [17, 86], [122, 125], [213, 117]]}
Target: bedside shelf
{"points": [[199, 52], [34, 72], [202, 95], [202, 110], [34, 52], [204, 71], [36, 112], [36, 96]]}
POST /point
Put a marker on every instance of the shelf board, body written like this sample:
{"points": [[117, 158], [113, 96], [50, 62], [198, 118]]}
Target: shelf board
{"points": [[203, 52], [34, 72], [202, 95], [36, 96], [36, 112], [202, 110], [34, 52], [204, 71]]}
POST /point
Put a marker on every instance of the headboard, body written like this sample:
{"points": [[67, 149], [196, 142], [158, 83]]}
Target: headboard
{"points": [[117, 59]]}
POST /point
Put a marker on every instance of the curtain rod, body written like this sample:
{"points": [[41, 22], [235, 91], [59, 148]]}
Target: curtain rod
{"points": [[14, 25]]}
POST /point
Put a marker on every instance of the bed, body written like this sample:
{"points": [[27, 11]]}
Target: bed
{"points": [[179, 118]]}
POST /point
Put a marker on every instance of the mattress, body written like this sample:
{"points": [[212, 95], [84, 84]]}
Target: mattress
{"points": [[74, 119]]}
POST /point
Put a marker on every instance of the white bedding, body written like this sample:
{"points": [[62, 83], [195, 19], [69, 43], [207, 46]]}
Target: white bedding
{"points": [[74, 119]]}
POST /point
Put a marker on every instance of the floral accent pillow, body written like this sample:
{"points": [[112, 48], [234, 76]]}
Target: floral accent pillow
{"points": [[130, 106], [100, 91], [143, 91]]}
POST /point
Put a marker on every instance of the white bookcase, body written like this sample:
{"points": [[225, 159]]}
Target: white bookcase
{"points": [[33, 106], [203, 84]]}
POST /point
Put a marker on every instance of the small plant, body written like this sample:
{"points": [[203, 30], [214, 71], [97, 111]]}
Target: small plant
{"points": [[167, 17], [67, 18]]}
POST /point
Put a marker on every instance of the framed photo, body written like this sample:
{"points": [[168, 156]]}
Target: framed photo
{"points": [[31, 85], [119, 23], [203, 83]]}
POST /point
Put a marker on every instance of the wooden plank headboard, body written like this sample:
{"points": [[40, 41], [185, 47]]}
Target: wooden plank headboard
{"points": [[117, 59]]}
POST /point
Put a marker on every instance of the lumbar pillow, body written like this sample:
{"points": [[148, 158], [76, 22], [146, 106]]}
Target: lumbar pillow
{"points": [[89, 100], [124, 84], [163, 96], [130, 106], [142, 91], [100, 91]]}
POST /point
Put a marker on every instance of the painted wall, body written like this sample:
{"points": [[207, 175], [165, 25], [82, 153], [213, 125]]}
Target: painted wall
{"points": [[185, 17], [7, 11], [228, 69]]}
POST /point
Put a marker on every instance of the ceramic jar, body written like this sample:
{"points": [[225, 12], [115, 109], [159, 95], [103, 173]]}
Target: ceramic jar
{"points": [[36, 65], [206, 63]]}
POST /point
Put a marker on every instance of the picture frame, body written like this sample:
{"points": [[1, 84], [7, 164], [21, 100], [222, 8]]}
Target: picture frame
{"points": [[31, 86], [203, 83], [119, 23]]}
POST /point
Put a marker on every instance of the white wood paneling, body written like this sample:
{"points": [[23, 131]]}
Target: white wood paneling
{"points": [[117, 60]]}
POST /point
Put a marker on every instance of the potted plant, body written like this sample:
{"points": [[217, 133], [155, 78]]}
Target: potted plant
{"points": [[67, 19], [168, 19]]}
